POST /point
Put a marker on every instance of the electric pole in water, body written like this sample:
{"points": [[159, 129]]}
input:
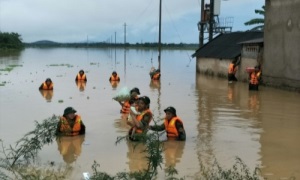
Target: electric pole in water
{"points": [[159, 35]]}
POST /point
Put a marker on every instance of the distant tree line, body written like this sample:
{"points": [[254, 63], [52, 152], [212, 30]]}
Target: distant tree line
{"points": [[14, 41], [10, 40], [46, 43]]}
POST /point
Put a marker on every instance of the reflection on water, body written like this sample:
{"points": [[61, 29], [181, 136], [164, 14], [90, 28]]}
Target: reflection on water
{"points": [[121, 125], [114, 84], [47, 94], [280, 119], [172, 154], [70, 147], [8, 61], [259, 127], [136, 155], [10, 54], [221, 120], [80, 85], [173, 151], [155, 87], [230, 92], [155, 84], [253, 102]]}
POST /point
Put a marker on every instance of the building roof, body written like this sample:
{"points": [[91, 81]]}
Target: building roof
{"points": [[253, 41], [227, 46]]}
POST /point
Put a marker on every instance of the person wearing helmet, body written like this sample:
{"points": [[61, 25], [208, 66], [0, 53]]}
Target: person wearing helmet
{"points": [[81, 76], [140, 122], [70, 124], [231, 71], [47, 85], [114, 76], [172, 125]]}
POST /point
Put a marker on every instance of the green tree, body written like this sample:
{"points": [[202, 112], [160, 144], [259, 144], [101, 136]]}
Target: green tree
{"points": [[260, 22], [10, 40]]}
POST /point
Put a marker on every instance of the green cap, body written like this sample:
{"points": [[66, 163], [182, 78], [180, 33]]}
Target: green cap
{"points": [[69, 110], [171, 110], [145, 99]]}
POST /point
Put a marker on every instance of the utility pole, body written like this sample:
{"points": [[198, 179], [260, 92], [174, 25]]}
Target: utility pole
{"points": [[201, 35], [87, 40], [211, 20], [124, 34], [159, 35], [115, 49]]}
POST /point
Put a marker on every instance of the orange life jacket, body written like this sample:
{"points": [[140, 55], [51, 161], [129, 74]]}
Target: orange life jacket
{"points": [[156, 76], [170, 127], [231, 69], [66, 128], [81, 78], [125, 108], [46, 87], [114, 78], [254, 77], [140, 117]]}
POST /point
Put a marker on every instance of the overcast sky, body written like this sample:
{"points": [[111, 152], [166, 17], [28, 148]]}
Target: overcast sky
{"points": [[100, 20]]}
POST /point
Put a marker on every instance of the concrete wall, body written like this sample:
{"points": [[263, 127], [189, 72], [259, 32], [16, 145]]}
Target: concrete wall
{"points": [[282, 44], [213, 67]]}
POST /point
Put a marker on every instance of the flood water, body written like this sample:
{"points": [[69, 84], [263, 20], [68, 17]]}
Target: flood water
{"points": [[222, 121]]}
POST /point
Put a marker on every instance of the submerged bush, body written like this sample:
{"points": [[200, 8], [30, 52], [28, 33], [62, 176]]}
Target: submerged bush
{"points": [[19, 162], [239, 171], [153, 150]]}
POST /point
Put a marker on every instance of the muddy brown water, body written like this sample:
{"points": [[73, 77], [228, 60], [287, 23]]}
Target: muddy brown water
{"points": [[223, 121]]}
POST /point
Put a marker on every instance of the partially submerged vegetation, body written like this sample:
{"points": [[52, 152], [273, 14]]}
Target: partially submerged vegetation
{"points": [[5, 70], [67, 65], [2, 83], [239, 170], [20, 161], [10, 68]]}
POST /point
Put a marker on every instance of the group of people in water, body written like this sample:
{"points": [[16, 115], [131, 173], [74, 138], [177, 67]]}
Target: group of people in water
{"points": [[139, 117], [135, 111], [254, 74]]}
